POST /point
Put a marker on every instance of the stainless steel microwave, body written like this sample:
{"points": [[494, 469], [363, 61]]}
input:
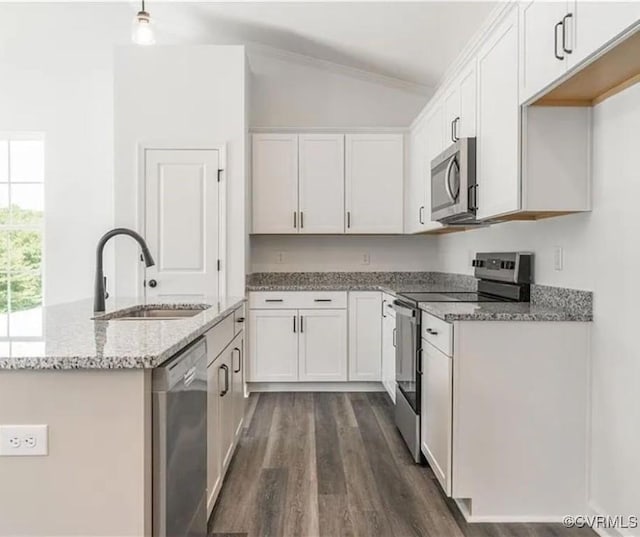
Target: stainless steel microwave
{"points": [[453, 183]]}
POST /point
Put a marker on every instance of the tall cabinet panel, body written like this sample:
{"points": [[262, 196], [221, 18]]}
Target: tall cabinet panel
{"points": [[417, 213], [499, 122], [275, 183], [321, 183], [365, 336], [374, 183], [434, 145]]}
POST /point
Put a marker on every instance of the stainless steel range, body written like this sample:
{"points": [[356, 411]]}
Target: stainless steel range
{"points": [[502, 277]]}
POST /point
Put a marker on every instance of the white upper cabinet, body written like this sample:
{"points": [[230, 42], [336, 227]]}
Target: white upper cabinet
{"points": [[591, 25], [558, 36], [434, 145], [468, 89], [275, 183], [498, 172], [417, 213], [543, 59], [451, 113], [374, 183], [321, 183]]}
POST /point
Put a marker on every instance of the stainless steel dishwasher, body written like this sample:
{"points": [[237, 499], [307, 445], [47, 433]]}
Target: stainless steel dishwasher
{"points": [[180, 444]]}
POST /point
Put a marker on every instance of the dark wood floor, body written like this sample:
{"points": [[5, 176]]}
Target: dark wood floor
{"points": [[332, 465]]}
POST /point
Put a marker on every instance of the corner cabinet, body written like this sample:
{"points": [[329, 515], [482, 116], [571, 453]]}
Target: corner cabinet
{"points": [[326, 183], [374, 183]]}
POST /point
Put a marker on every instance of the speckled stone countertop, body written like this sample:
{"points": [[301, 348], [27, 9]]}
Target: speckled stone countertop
{"points": [[72, 339], [547, 303]]}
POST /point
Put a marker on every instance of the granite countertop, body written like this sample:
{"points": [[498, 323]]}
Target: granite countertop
{"points": [[547, 303], [72, 339], [500, 311]]}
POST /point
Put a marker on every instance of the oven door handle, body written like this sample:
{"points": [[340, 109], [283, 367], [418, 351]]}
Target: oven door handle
{"points": [[403, 310]]}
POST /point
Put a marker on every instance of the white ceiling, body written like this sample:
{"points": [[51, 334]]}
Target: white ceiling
{"points": [[413, 42]]}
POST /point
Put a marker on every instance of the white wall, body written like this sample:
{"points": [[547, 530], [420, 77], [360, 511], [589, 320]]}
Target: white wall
{"points": [[341, 253], [294, 94], [602, 253], [56, 73], [185, 94]]}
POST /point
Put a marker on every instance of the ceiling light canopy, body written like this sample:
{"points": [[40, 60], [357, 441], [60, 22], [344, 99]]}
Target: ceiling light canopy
{"points": [[142, 31]]}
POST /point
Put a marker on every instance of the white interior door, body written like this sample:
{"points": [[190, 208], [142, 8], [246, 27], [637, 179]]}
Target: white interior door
{"points": [[182, 222]]}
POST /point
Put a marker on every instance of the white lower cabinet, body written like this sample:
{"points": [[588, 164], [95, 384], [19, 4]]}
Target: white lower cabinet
{"points": [[437, 412], [225, 401], [389, 346], [292, 345], [322, 355], [365, 336], [274, 345]]}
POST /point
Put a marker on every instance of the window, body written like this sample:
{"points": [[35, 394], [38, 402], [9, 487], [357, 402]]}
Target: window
{"points": [[21, 226]]}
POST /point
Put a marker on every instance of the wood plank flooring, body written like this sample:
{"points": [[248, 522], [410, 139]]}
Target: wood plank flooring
{"points": [[334, 465]]}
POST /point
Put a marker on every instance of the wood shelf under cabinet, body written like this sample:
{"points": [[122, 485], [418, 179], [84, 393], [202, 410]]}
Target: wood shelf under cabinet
{"points": [[612, 72]]}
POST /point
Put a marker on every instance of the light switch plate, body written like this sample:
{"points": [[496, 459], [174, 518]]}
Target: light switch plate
{"points": [[24, 440]]}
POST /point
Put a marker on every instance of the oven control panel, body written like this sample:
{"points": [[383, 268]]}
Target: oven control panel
{"points": [[512, 267]]}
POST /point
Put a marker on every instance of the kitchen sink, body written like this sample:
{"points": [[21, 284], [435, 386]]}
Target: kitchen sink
{"points": [[152, 313]]}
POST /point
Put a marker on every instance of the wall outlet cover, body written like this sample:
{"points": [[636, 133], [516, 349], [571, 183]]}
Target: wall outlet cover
{"points": [[24, 440]]}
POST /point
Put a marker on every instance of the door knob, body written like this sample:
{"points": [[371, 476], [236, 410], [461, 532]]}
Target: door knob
{"points": [[152, 283]]}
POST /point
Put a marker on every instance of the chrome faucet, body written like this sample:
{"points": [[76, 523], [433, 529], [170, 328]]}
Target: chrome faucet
{"points": [[100, 293]]}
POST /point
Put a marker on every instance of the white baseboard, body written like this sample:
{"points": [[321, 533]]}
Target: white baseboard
{"points": [[596, 510], [315, 387], [506, 519]]}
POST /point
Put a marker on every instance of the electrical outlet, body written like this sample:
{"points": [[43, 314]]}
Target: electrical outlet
{"points": [[21, 440], [558, 258], [366, 258]]}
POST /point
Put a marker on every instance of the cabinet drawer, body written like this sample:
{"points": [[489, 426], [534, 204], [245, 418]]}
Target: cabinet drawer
{"points": [[239, 318], [219, 337], [438, 332], [387, 305], [298, 300]]}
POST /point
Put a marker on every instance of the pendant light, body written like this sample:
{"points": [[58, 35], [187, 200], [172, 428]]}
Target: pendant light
{"points": [[142, 31]]}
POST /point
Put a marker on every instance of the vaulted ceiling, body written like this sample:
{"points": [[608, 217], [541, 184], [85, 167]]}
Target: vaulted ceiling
{"points": [[413, 42]]}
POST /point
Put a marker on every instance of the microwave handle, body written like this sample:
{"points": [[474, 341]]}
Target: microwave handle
{"points": [[447, 175]]}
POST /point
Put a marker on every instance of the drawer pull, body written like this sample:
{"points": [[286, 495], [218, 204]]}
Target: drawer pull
{"points": [[274, 300], [432, 331], [322, 300]]}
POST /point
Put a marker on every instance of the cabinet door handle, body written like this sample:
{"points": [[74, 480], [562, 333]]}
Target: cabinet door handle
{"points": [[301, 219], [419, 361], [273, 300], [394, 337], [383, 303], [432, 331], [453, 137], [295, 219], [564, 33], [348, 219], [240, 319], [301, 324], [322, 300], [239, 360], [456, 123], [225, 390], [294, 324], [421, 215], [555, 41]]}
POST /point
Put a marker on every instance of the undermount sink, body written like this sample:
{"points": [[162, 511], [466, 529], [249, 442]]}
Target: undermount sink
{"points": [[151, 314]]}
